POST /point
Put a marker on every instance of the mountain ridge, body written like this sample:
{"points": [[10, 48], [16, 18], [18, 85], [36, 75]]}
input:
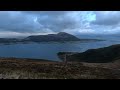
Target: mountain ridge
{"points": [[59, 37]]}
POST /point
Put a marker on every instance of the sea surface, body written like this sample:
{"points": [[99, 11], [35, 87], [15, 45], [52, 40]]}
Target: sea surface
{"points": [[49, 50]]}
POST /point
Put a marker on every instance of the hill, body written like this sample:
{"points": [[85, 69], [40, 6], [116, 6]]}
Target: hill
{"points": [[101, 55], [62, 36]]}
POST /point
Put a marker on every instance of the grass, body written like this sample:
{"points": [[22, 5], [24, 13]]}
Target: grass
{"points": [[25, 69]]}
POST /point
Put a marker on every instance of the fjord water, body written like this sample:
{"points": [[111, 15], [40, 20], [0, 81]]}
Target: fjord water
{"points": [[49, 50]]}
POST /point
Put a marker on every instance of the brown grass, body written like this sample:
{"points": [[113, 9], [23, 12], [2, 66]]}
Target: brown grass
{"points": [[12, 68]]}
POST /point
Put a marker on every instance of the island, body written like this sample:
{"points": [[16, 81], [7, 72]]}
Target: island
{"points": [[59, 37]]}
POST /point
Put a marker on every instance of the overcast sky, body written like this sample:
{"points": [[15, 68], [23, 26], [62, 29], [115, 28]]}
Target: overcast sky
{"points": [[17, 23]]}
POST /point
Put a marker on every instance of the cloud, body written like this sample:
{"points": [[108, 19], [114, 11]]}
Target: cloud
{"points": [[74, 22], [107, 18], [35, 21], [55, 20], [60, 20], [18, 22]]}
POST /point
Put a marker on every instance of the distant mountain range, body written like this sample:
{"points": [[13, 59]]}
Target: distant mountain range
{"points": [[60, 37]]}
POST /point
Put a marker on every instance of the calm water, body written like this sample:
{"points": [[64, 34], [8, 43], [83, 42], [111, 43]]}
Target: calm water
{"points": [[49, 50]]}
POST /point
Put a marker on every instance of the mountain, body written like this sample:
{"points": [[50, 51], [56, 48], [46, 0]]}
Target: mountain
{"points": [[100, 55], [62, 36]]}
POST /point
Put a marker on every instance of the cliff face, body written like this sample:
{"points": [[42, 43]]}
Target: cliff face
{"points": [[101, 55], [62, 36]]}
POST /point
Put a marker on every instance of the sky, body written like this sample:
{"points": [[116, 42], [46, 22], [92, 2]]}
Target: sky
{"points": [[25, 23]]}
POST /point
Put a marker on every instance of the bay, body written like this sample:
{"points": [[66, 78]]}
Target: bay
{"points": [[49, 50]]}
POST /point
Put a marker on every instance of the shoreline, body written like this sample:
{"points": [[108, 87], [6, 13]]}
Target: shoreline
{"points": [[27, 59]]}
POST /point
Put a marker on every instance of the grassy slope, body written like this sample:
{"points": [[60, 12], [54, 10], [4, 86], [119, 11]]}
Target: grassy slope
{"points": [[100, 55], [11, 68]]}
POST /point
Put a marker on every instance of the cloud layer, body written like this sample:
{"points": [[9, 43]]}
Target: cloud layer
{"points": [[44, 22]]}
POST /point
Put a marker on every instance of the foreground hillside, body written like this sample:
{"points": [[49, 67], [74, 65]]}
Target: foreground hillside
{"points": [[102, 63], [100, 55], [13, 68]]}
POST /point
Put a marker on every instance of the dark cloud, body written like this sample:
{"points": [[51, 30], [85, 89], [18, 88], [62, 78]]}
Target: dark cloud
{"points": [[49, 13], [56, 21], [107, 18], [15, 21], [35, 21]]}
